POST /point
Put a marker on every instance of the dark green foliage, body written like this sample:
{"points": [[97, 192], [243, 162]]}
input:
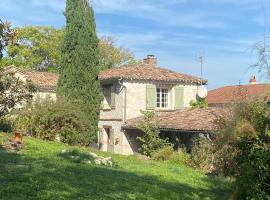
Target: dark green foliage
{"points": [[6, 125], [79, 66], [49, 120], [253, 167], [150, 138]]}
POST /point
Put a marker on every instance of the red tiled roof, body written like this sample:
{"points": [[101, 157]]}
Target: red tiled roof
{"points": [[144, 71], [232, 94], [45, 81], [200, 119]]}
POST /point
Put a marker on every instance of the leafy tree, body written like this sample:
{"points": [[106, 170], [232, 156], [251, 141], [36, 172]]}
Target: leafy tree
{"points": [[35, 47], [80, 65], [111, 56], [13, 92], [150, 139], [38, 47], [6, 35]]}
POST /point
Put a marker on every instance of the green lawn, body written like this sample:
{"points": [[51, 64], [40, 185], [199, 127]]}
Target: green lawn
{"points": [[40, 171]]}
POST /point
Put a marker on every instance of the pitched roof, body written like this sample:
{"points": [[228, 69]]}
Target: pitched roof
{"points": [[45, 81], [200, 119], [143, 71], [231, 94]]}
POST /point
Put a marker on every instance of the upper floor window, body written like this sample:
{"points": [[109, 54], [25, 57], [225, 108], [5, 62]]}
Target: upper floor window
{"points": [[109, 94], [162, 98]]}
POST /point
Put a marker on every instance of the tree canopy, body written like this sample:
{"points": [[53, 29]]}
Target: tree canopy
{"points": [[38, 47], [35, 47]]}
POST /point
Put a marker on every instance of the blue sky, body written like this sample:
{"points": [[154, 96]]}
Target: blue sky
{"points": [[176, 31]]}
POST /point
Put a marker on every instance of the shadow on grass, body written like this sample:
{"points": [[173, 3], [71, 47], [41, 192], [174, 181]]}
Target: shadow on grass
{"points": [[33, 178]]}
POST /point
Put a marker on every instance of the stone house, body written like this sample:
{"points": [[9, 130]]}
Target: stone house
{"points": [[128, 89]]}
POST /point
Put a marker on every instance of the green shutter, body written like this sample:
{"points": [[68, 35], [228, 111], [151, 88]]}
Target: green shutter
{"points": [[151, 97], [112, 98], [179, 97], [111, 147]]}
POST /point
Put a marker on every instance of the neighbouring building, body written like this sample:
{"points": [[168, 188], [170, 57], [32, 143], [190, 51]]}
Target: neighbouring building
{"points": [[228, 95], [44, 82], [129, 89]]}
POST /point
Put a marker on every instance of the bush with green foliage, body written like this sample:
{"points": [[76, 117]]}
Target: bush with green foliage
{"points": [[200, 103], [202, 154], [163, 154], [167, 153], [252, 174], [180, 157], [49, 119], [150, 138], [242, 150]]}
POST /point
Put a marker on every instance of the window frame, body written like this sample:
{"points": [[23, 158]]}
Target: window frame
{"points": [[162, 97]]}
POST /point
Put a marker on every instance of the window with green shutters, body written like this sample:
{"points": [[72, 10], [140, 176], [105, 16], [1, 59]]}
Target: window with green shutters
{"points": [[150, 97], [179, 97]]}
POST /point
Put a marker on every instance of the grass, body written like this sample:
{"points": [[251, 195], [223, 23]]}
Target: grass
{"points": [[41, 171]]}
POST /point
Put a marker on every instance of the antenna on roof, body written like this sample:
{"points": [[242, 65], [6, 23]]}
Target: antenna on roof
{"points": [[201, 61]]}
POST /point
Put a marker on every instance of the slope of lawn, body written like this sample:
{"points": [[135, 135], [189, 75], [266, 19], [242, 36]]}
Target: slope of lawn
{"points": [[41, 171]]}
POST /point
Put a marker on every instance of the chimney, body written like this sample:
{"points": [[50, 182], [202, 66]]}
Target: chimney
{"points": [[252, 80], [150, 60]]}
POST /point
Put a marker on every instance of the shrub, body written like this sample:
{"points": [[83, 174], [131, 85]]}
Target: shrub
{"points": [[223, 161], [202, 154], [180, 157], [163, 154], [6, 124], [253, 167], [150, 138], [48, 119], [243, 150], [200, 103]]}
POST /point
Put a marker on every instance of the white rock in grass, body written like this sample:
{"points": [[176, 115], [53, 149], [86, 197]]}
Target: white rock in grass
{"points": [[93, 155], [97, 161]]}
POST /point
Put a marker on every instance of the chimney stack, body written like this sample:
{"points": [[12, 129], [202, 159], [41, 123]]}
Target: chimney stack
{"points": [[150, 60], [252, 80]]}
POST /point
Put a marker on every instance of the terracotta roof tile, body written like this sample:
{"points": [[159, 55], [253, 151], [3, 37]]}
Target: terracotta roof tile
{"points": [[144, 71], [231, 94], [186, 120], [43, 80]]}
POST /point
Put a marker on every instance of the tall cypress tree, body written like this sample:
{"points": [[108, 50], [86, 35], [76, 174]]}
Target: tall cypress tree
{"points": [[80, 60]]}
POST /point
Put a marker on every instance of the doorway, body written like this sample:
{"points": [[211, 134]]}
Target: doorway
{"points": [[109, 139]]}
